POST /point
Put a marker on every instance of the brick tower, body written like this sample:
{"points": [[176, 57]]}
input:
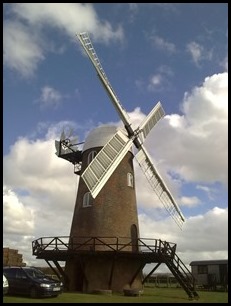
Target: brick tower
{"points": [[111, 217]]}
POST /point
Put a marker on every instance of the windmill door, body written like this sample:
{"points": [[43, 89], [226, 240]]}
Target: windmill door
{"points": [[134, 238]]}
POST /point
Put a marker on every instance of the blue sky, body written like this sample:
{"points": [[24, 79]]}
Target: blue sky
{"points": [[173, 53]]}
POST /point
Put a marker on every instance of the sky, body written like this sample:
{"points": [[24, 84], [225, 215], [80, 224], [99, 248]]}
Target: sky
{"points": [[173, 53]]}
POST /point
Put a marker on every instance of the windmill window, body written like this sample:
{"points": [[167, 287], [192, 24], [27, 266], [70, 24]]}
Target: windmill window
{"points": [[87, 199], [130, 180], [91, 156]]}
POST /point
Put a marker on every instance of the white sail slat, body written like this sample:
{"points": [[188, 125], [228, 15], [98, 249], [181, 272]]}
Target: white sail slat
{"points": [[151, 120], [159, 186], [103, 165]]}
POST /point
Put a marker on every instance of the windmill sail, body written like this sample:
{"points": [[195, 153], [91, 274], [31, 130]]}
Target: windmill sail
{"points": [[153, 117], [88, 47], [103, 165], [101, 168], [159, 186]]}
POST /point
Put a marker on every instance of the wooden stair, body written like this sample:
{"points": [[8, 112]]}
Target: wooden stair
{"points": [[179, 270]]}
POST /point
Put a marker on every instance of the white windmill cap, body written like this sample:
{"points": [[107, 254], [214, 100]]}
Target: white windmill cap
{"points": [[99, 136]]}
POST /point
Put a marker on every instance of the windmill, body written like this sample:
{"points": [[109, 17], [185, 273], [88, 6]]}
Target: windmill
{"points": [[106, 206], [104, 251]]}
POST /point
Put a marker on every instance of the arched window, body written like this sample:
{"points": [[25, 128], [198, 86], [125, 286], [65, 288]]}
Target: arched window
{"points": [[87, 199], [91, 156], [130, 180]]}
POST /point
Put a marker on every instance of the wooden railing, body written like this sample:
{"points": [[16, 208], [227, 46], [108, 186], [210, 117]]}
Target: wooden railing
{"points": [[166, 252], [118, 244]]}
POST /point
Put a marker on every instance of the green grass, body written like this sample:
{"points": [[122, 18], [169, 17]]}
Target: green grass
{"points": [[150, 295]]}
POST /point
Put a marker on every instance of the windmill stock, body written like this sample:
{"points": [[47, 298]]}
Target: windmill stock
{"points": [[136, 136]]}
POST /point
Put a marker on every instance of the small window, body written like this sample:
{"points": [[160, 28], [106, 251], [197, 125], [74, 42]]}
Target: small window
{"points": [[91, 156], [130, 180], [203, 269], [87, 199]]}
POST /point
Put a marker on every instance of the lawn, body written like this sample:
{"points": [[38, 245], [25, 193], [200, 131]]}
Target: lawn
{"points": [[150, 295]]}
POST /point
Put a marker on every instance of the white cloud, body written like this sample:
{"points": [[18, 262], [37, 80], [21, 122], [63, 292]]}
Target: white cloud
{"points": [[189, 201], [25, 43], [165, 70], [136, 117], [17, 217], [163, 44], [159, 81], [50, 97], [195, 50], [209, 191], [68, 17], [133, 11], [202, 237], [21, 49], [198, 52], [155, 82], [194, 145], [41, 173], [39, 195]]}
